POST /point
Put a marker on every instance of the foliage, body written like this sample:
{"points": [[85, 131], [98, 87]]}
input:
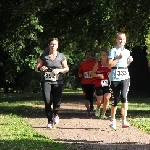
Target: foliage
{"points": [[138, 113], [148, 40], [92, 25], [16, 133]]}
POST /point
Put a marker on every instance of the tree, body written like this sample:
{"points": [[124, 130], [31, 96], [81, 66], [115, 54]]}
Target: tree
{"points": [[80, 26]]}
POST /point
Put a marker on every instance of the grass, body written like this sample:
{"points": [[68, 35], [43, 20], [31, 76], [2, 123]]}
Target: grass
{"points": [[70, 91], [138, 113], [15, 131], [17, 134]]}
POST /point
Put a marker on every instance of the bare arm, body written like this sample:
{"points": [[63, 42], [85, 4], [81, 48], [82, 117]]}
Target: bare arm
{"points": [[80, 75], [112, 63], [94, 74], [39, 65], [130, 59], [65, 67]]}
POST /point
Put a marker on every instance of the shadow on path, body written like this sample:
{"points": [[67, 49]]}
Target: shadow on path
{"points": [[88, 133]]}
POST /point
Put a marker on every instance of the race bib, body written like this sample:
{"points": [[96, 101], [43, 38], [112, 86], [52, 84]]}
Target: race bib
{"points": [[104, 83], [121, 73], [86, 75], [49, 76]]}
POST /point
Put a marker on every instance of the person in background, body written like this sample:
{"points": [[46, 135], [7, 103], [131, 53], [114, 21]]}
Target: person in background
{"points": [[119, 60], [101, 72], [52, 65], [87, 82]]}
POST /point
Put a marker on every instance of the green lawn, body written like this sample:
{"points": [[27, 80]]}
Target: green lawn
{"points": [[138, 113], [17, 134], [15, 131]]}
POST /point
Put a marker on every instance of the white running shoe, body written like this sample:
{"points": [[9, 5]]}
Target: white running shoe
{"points": [[125, 124], [56, 119], [113, 124], [50, 125]]}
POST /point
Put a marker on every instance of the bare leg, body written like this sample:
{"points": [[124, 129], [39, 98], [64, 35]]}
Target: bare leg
{"points": [[124, 109], [99, 101], [106, 102], [113, 111]]}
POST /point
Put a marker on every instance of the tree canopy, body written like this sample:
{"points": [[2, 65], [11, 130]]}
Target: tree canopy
{"points": [[79, 26]]}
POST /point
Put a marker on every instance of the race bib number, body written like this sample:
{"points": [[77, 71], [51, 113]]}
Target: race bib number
{"points": [[104, 83], [49, 76], [86, 75], [121, 73]]}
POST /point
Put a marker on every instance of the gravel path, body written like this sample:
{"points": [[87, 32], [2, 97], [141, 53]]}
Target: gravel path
{"points": [[87, 133]]}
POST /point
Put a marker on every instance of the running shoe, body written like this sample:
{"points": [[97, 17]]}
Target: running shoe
{"points": [[125, 124], [97, 112], [89, 113], [113, 124], [50, 125], [56, 119], [103, 116]]}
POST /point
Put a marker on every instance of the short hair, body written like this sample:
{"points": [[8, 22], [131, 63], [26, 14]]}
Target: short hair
{"points": [[52, 39]]}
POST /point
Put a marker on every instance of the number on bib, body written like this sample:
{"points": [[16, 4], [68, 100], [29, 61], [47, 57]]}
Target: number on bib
{"points": [[104, 83], [49, 76], [86, 75], [121, 73]]}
